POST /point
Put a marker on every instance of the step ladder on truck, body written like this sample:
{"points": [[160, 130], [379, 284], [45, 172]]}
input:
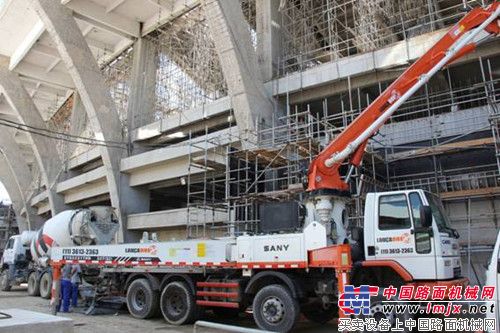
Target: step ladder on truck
{"points": [[406, 237]]}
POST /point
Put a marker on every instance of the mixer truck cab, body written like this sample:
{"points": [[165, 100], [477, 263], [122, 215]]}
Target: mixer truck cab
{"points": [[13, 262], [409, 231]]}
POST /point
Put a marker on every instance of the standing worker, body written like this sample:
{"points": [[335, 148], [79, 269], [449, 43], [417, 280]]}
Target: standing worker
{"points": [[65, 287], [75, 282]]}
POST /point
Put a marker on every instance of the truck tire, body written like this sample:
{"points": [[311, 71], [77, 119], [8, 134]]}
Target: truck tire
{"points": [[4, 281], [275, 309], [177, 304], [46, 285], [33, 284], [142, 300]]}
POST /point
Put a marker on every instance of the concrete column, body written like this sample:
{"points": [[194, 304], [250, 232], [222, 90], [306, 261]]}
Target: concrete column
{"points": [[238, 59], [268, 28], [43, 148], [101, 111], [141, 103]]}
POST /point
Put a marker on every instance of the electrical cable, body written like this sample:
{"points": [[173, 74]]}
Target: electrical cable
{"points": [[91, 142], [55, 132]]}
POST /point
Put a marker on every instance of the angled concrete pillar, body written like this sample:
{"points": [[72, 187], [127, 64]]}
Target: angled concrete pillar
{"points": [[95, 96], [78, 125], [238, 59], [44, 148], [268, 26], [19, 176], [141, 105]]}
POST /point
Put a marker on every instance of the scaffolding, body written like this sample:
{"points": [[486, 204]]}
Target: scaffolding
{"points": [[319, 31], [117, 76], [189, 73], [207, 210]]}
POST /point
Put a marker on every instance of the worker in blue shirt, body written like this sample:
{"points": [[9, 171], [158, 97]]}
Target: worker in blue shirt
{"points": [[65, 288]]}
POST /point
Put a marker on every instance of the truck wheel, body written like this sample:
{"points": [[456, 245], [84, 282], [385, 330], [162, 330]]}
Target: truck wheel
{"points": [[319, 314], [274, 309], [33, 285], [142, 300], [4, 281], [177, 304], [46, 285]]}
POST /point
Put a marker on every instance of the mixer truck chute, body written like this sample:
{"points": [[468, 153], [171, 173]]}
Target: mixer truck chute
{"points": [[26, 257]]}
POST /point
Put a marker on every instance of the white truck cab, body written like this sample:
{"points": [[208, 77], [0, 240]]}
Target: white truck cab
{"points": [[411, 228], [14, 251], [493, 279], [14, 246]]}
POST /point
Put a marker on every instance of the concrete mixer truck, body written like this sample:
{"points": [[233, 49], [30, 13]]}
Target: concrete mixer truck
{"points": [[26, 257]]}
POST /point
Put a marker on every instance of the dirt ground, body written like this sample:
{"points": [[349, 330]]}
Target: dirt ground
{"points": [[122, 322]]}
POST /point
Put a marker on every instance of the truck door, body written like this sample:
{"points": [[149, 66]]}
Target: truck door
{"points": [[8, 254], [399, 237]]}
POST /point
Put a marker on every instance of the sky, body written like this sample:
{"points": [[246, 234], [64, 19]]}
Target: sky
{"points": [[4, 196]]}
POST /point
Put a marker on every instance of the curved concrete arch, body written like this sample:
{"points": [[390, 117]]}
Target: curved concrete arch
{"points": [[95, 96], [20, 175], [8, 181], [43, 148]]}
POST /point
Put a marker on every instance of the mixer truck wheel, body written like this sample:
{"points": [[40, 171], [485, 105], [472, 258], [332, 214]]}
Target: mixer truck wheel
{"points": [[275, 309], [142, 300], [33, 285], [46, 285], [4, 281], [178, 304]]}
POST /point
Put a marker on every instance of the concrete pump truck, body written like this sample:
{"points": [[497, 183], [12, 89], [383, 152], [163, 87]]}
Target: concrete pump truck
{"points": [[405, 239]]}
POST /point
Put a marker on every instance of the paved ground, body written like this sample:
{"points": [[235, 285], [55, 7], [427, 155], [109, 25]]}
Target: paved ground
{"points": [[122, 322]]}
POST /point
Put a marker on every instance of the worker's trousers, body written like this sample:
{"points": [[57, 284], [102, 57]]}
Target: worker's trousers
{"points": [[65, 295], [74, 294]]}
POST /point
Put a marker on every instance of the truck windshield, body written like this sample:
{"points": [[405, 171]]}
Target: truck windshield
{"points": [[438, 213]]}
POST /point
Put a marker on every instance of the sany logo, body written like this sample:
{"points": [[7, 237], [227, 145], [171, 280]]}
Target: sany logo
{"points": [[356, 300]]}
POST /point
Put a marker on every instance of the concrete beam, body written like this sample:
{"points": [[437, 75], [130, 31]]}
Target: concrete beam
{"points": [[113, 5], [172, 218], [74, 183], [101, 111], [164, 4], [363, 69], [179, 8], [97, 15], [26, 45], [57, 78], [84, 158], [184, 120], [44, 149], [238, 59]]}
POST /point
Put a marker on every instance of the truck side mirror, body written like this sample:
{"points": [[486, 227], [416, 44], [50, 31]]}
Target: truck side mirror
{"points": [[426, 216]]}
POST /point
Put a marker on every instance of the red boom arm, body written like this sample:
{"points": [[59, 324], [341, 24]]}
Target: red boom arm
{"points": [[351, 143]]}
